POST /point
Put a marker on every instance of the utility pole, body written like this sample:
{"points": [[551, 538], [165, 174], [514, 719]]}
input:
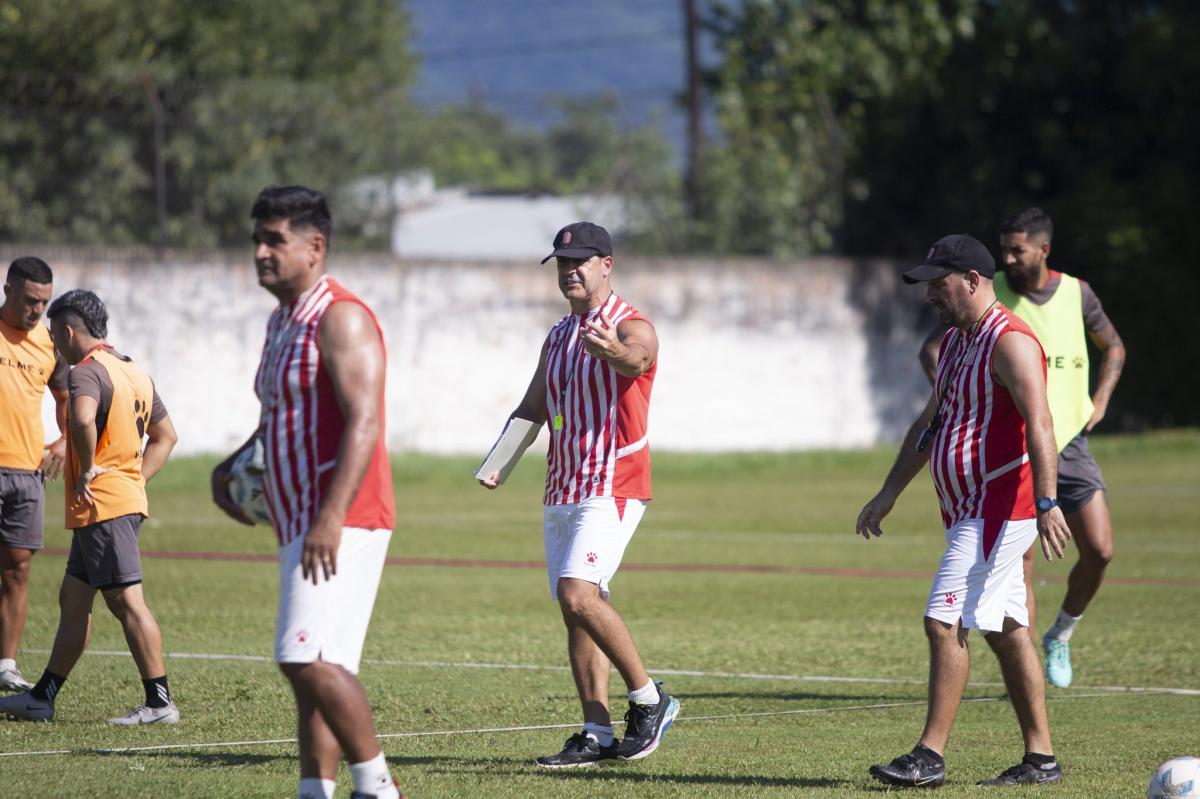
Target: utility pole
{"points": [[695, 131], [160, 161]]}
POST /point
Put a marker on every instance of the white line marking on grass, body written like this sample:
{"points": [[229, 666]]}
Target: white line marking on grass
{"points": [[826, 678], [521, 728]]}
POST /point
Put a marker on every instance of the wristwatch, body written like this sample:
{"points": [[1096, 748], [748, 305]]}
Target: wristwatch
{"points": [[1046, 503]]}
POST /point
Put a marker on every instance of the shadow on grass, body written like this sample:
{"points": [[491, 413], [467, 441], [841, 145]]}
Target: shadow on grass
{"points": [[747, 780], [801, 696], [506, 766], [205, 758], [524, 767]]}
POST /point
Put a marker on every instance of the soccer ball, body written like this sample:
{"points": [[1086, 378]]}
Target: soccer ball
{"points": [[1179, 777], [246, 487]]}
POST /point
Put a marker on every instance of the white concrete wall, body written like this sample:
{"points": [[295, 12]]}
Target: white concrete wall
{"points": [[754, 355]]}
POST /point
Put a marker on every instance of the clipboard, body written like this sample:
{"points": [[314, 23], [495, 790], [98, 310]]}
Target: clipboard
{"points": [[517, 437]]}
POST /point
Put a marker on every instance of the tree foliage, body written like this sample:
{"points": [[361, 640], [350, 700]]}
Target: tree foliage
{"points": [[250, 94], [796, 85], [945, 116], [585, 149]]}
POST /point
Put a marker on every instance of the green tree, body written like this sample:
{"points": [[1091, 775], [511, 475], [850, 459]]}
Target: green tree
{"points": [[250, 94], [944, 117], [793, 92], [585, 150]]}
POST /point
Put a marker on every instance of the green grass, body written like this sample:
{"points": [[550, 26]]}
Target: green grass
{"points": [[789, 510]]}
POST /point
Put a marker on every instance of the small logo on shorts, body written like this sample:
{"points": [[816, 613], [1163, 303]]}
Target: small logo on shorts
{"points": [[591, 558], [950, 598], [302, 637]]}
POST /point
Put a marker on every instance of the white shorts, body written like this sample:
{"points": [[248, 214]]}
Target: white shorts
{"points": [[328, 621], [587, 540], [982, 588]]}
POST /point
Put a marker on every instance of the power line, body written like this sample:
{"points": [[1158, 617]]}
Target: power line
{"points": [[559, 48]]}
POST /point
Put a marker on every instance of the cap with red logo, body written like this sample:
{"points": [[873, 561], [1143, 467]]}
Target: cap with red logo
{"points": [[581, 240]]}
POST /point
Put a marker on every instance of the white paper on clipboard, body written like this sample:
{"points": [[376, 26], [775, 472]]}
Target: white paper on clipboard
{"points": [[518, 435]]}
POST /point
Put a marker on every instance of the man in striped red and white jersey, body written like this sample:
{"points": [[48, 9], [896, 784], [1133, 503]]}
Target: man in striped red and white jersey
{"points": [[327, 482], [592, 385], [989, 440]]}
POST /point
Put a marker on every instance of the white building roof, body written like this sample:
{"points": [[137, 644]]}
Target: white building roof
{"points": [[457, 224]]}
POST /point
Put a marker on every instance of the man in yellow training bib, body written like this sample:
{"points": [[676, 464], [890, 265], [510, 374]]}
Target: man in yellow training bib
{"points": [[1064, 312]]}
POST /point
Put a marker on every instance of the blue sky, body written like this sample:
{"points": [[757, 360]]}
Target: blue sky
{"points": [[518, 55]]}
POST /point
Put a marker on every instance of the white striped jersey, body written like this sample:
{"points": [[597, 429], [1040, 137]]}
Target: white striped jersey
{"points": [[301, 423], [980, 462], [597, 417]]}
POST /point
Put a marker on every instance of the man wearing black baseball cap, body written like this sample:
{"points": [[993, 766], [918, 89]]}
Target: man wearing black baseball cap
{"points": [[592, 387], [581, 240], [1066, 314], [957, 252], [988, 437]]}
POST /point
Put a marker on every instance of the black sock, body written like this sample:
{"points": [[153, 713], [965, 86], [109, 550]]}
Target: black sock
{"points": [[1041, 761], [47, 687], [928, 754], [157, 692]]}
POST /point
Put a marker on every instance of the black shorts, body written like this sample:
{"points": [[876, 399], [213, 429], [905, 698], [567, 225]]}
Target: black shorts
{"points": [[1079, 475], [22, 508], [105, 554]]}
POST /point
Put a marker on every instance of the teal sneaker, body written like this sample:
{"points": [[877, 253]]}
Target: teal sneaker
{"points": [[1058, 661]]}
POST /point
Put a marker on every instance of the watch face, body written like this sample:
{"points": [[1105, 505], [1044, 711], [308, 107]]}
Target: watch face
{"points": [[1045, 503]]}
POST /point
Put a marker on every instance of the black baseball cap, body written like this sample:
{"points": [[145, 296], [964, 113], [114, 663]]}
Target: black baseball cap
{"points": [[957, 252], [581, 240]]}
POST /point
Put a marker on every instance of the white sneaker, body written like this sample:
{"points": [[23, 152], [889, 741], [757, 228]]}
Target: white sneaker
{"points": [[12, 680], [144, 714], [26, 708]]}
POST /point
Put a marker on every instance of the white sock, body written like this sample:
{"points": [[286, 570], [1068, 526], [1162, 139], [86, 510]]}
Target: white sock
{"points": [[646, 695], [1063, 626], [603, 733], [373, 777], [7, 664], [316, 788]]}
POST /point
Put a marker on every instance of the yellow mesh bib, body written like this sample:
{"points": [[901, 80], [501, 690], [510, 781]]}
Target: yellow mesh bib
{"points": [[1059, 327]]}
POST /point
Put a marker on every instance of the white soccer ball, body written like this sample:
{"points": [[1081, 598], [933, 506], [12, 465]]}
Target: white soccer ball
{"points": [[1178, 777], [246, 487]]}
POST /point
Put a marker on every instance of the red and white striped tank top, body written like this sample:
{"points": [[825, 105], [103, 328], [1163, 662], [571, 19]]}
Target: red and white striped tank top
{"points": [[597, 417], [980, 463], [301, 423]]}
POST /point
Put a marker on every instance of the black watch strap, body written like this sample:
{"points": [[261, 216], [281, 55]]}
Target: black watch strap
{"points": [[1046, 503]]}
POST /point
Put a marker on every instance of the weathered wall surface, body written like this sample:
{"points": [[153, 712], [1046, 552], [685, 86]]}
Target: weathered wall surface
{"points": [[754, 355]]}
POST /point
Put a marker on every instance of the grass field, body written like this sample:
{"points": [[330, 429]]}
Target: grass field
{"points": [[794, 676]]}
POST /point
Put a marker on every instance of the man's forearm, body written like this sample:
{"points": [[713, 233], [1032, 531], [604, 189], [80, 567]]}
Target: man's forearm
{"points": [[83, 441], [1110, 374], [632, 360], [908, 461], [60, 414], [528, 414], [1043, 456], [156, 454]]}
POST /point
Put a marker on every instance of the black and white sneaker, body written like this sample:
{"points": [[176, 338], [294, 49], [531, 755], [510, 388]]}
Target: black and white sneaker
{"points": [[579, 750], [913, 770], [645, 725], [1028, 773], [26, 707]]}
